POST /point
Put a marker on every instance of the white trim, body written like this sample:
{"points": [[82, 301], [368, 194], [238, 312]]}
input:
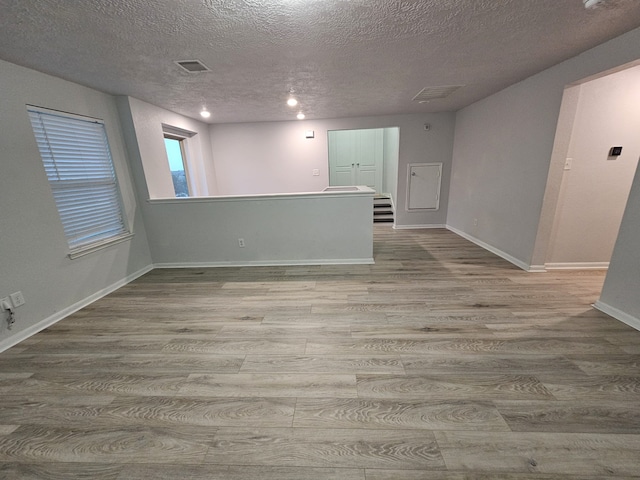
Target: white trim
{"points": [[361, 191], [577, 266], [417, 227], [94, 247], [624, 317], [268, 263], [537, 269], [62, 113], [56, 317], [492, 249], [177, 131]]}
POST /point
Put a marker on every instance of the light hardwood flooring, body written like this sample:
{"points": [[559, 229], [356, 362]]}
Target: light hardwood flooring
{"points": [[441, 361]]}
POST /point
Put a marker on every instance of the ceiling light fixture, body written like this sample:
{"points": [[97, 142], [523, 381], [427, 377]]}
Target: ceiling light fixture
{"points": [[593, 3], [300, 116], [292, 102], [205, 113]]}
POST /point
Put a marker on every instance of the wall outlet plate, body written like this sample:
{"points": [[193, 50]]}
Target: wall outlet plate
{"points": [[17, 299]]}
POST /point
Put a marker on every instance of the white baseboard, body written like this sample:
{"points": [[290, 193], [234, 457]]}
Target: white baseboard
{"points": [[56, 317], [269, 263], [418, 227], [577, 266], [492, 249], [624, 317], [537, 269]]}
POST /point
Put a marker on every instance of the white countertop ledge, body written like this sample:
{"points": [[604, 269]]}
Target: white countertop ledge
{"points": [[328, 192]]}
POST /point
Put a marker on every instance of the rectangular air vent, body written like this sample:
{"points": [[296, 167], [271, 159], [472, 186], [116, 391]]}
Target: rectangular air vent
{"points": [[193, 66], [431, 93]]}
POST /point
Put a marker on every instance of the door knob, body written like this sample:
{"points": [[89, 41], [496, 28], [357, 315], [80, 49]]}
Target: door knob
{"points": [[413, 174]]}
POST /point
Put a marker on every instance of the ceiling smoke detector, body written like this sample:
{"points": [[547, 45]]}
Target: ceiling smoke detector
{"points": [[593, 3], [432, 93], [193, 66]]}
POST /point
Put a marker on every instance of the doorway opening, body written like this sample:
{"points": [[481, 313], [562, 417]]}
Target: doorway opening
{"points": [[587, 186], [367, 157]]}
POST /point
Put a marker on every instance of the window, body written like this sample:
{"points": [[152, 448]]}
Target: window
{"points": [[176, 156], [78, 163], [176, 142]]}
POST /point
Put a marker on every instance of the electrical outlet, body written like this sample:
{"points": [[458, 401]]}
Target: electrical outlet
{"points": [[316, 172], [17, 299], [241, 242], [475, 222], [5, 304]]}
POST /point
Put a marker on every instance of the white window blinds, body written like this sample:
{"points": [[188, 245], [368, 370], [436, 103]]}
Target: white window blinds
{"points": [[78, 163]]}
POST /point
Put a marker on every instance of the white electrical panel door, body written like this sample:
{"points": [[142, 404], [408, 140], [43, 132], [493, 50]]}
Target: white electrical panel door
{"points": [[423, 186]]}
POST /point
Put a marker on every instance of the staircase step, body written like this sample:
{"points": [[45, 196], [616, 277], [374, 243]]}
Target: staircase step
{"points": [[382, 209]]}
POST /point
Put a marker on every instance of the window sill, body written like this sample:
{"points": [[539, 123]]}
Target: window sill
{"points": [[94, 247]]}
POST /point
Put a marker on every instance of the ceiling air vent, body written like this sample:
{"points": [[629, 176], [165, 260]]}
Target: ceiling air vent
{"points": [[193, 66], [431, 93]]}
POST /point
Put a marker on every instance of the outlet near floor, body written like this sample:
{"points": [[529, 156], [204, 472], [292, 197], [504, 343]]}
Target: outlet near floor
{"points": [[17, 299]]}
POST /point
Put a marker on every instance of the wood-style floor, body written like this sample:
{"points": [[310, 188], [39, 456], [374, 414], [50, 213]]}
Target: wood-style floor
{"points": [[441, 361]]}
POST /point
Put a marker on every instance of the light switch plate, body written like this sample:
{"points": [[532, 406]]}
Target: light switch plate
{"points": [[567, 163]]}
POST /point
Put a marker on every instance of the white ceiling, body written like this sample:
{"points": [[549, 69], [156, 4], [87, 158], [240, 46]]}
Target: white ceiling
{"points": [[343, 58]]}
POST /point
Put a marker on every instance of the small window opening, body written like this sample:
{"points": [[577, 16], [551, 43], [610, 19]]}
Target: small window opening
{"points": [[177, 164]]}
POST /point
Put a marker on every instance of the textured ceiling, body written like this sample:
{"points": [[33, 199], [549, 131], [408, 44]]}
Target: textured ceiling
{"points": [[342, 58]]}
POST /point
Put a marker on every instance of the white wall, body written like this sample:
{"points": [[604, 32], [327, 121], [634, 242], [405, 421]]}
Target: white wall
{"points": [[503, 146], [594, 191], [147, 120], [276, 157], [33, 247], [391, 150]]}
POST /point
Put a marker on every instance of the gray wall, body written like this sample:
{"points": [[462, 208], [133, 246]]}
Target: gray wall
{"points": [[391, 150], [503, 146], [277, 230], [33, 247], [621, 293], [206, 231], [276, 158]]}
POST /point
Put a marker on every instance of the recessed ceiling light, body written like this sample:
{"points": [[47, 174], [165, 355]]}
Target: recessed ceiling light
{"points": [[292, 102], [300, 116], [205, 113], [593, 3]]}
